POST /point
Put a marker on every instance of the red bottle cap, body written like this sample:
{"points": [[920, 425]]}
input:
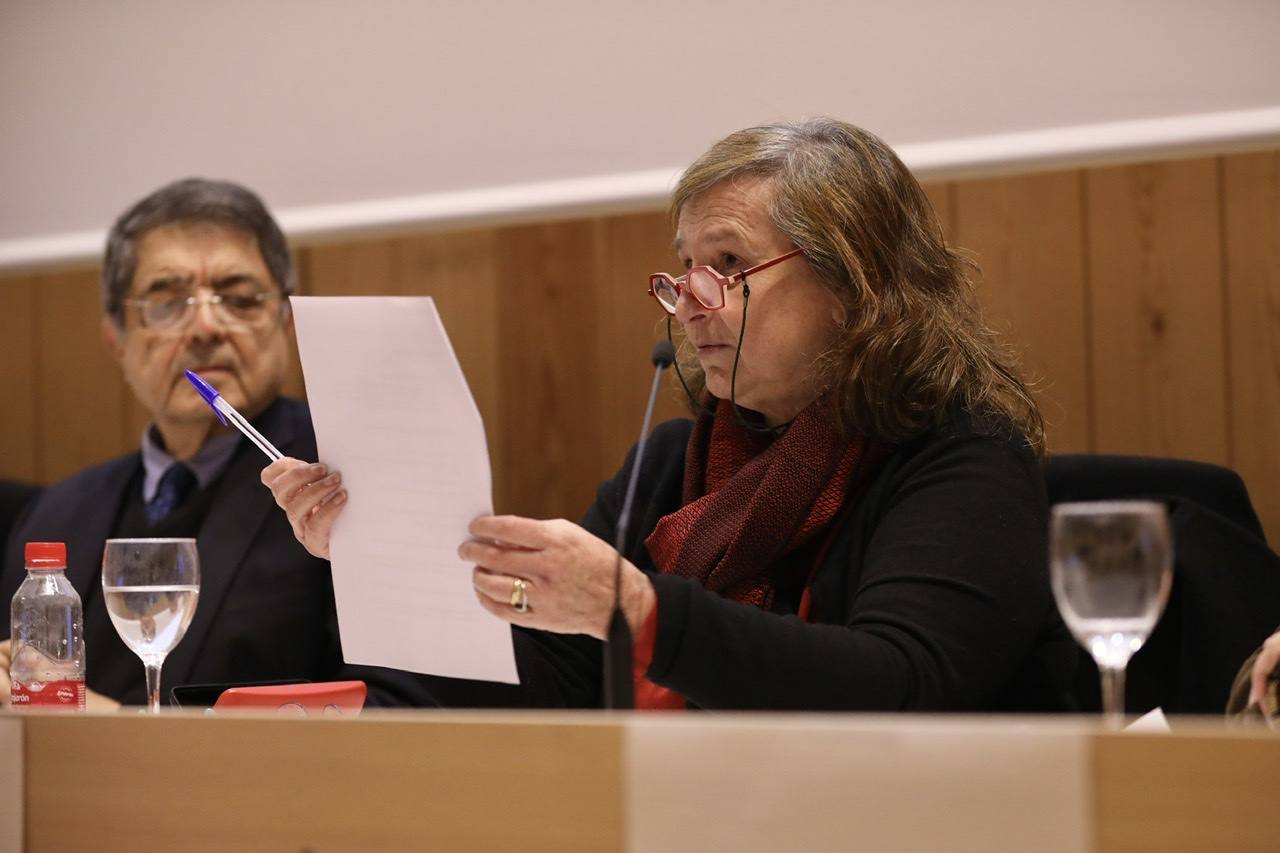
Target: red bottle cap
{"points": [[46, 556]]}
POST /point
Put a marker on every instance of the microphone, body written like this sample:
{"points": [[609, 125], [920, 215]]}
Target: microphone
{"points": [[619, 692]]}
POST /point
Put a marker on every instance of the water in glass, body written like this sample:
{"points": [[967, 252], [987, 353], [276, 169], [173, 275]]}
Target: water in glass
{"points": [[151, 587], [1111, 565], [152, 619]]}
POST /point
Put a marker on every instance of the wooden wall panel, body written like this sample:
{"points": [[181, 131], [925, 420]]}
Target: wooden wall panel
{"points": [[1026, 233], [1156, 310], [1151, 290], [19, 381], [550, 373], [459, 271], [943, 199], [81, 405], [293, 384], [383, 782], [629, 322], [1251, 224], [364, 267]]}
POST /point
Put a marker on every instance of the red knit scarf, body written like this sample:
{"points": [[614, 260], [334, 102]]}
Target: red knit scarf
{"points": [[750, 505]]}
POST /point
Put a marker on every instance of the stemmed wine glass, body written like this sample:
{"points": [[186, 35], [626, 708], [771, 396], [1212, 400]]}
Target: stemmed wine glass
{"points": [[151, 587], [1111, 565]]}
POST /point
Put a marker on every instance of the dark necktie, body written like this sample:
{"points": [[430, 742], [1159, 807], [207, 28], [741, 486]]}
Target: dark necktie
{"points": [[175, 484]]}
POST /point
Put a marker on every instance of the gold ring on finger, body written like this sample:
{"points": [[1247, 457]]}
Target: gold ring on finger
{"points": [[520, 595]]}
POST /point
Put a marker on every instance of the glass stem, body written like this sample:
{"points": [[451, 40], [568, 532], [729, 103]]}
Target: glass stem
{"points": [[153, 687], [1112, 695]]}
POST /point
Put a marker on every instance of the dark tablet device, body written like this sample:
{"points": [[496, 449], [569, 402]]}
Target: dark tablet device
{"points": [[202, 696]]}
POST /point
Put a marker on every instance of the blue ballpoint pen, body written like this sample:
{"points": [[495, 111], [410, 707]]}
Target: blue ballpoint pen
{"points": [[225, 411]]}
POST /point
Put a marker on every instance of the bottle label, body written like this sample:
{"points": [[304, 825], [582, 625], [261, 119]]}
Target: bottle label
{"points": [[48, 694]]}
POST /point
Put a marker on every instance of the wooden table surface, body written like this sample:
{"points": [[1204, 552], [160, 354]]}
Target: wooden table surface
{"points": [[597, 782]]}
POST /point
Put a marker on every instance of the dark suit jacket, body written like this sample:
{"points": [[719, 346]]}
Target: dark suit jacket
{"points": [[14, 498], [266, 607]]}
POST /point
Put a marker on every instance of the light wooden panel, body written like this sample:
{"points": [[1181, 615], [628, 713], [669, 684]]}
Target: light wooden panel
{"points": [[1205, 792], [357, 267], [224, 783], [12, 817], [1151, 290], [459, 271], [1027, 235], [1156, 310], [1251, 194], [19, 380], [81, 404], [533, 781], [942, 197], [628, 324], [293, 384], [547, 323], [697, 785]]}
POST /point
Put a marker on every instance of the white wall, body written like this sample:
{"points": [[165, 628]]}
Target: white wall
{"points": [[413, 107]]}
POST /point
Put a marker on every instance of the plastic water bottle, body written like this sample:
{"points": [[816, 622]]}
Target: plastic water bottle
{"points": [[47, 644]]}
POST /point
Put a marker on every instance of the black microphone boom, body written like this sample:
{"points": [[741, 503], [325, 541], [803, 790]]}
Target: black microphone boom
{"points": [[619, 692]]}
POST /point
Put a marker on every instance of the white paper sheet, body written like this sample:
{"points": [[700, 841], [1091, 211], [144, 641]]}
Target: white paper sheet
{"points": [[393, 413], [1152, 721]]}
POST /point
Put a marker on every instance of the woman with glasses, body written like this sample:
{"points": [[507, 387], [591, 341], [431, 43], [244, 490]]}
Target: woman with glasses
{"points": [[853, 519]]}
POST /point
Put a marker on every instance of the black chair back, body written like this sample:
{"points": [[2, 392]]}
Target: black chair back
{"points": [[1226, 582]]}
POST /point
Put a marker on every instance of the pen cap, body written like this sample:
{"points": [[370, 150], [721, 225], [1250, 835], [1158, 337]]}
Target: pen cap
{"points": [[207, 392]]}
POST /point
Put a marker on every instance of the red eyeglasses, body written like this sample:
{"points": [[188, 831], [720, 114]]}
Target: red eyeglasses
{"points": [[704, 284]]}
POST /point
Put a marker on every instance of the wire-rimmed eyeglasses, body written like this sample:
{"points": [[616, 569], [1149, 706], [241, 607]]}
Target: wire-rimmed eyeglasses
{"points": [[168, 311], [704, 284]]}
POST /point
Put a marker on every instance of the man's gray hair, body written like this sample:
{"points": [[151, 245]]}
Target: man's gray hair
{"points": [[190, 200]]}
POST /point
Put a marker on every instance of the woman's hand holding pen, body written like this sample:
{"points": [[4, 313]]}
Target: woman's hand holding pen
{"points": [[311, 496]]}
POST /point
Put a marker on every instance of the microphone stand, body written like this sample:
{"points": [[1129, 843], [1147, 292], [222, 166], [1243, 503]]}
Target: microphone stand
{"points": [[619, 691]]}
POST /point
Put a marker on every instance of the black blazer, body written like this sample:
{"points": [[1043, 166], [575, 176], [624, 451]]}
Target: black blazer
{"points": [[14, 498], [266, 607]]}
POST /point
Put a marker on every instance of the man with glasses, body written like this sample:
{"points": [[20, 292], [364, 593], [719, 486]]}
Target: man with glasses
{"points": [[197, 277]]}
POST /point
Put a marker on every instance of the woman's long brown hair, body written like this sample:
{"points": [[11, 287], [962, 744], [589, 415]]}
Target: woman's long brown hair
{"points": [[915, 343]]}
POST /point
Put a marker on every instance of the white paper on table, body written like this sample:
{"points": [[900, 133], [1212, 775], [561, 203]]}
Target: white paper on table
{"points": [[1152, 721], [393, 413]]}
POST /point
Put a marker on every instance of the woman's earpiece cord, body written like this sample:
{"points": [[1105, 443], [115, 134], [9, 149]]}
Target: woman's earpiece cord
{"points": [[733, 378], [697, 407]]}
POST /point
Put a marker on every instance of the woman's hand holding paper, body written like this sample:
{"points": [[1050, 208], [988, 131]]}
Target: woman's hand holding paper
{"points": [[568, 575]]}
